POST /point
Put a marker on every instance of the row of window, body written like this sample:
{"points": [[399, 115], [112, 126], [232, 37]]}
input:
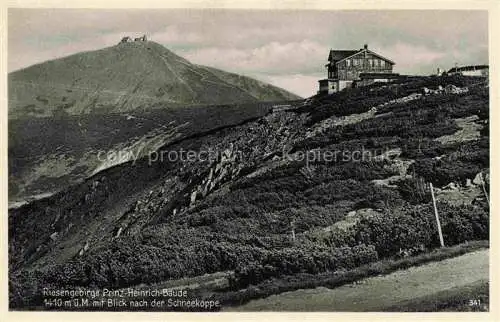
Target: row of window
{"points": [[372, 62]]}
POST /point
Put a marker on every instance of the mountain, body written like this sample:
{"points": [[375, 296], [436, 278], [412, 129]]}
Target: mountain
{"points": [[288, 199], [65, 113], [127, 77]]}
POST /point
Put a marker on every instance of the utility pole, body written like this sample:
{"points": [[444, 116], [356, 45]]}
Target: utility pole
{"points": [[441, 240]]}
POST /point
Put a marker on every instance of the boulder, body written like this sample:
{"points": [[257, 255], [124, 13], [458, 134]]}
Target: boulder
{"points": [[84, 249], [193, 197], [452, 89], [478, 179], [53, 236], [451, 186], [204, 192]]}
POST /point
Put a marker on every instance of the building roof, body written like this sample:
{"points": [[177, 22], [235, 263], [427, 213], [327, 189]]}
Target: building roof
{"points": [[340, 54], [467, 68]]}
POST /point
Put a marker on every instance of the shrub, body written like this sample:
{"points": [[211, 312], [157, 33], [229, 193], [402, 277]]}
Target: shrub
{"points": [[294, 260], [413, 227]]}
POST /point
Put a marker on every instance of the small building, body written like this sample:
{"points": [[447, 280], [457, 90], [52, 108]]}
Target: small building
{"points": [[475, 70], [143, 38], [345, 67], [130, 39], [126, 39]]}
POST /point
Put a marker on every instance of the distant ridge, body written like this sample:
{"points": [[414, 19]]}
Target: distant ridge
{"points": [[126, 77]]}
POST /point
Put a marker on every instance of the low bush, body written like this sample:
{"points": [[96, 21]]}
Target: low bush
{"points": [[415, 227], [338, 278], [467, 160], [293, 261]]}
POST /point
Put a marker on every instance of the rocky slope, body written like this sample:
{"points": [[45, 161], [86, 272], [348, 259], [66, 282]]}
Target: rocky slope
{"points": [[42, 161]]}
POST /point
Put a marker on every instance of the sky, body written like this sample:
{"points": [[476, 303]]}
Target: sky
{"points": [[287, 48]]}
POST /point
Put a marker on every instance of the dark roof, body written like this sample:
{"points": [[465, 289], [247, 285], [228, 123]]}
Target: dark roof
{"points": [[467, 68], [378, 75], [340, 54]]}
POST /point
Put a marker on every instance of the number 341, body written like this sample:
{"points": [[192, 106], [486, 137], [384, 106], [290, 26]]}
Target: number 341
{"points": [[474, 302]]}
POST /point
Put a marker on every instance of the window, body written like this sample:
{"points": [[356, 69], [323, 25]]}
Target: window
{"points": [[382, 63], [348, 62]]}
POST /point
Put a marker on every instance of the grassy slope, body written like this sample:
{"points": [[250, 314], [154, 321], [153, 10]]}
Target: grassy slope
{"points": [[255, 88], [125, 77], [381, 292]]}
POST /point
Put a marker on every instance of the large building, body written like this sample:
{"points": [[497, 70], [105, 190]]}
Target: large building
{"points": [[475, 70], [350, 68]]}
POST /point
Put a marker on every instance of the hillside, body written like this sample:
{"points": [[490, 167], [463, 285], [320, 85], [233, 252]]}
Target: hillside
{"points": [[321, 188], [42, 161], [132, 96], [134, 76]]}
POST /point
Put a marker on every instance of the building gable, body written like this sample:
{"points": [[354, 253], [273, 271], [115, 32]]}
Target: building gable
{"points": [[369, 52], [350, 68]]}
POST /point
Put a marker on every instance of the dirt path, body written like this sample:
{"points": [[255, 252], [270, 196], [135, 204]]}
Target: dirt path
{"points": [[376, 293]]}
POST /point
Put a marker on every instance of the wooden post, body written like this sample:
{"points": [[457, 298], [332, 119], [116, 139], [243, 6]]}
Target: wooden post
{"points": [[483, 184], [441, 240], [292, 224]]}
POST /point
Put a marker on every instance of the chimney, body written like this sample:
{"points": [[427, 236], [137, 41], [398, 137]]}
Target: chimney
{"points": [[365, 46]]}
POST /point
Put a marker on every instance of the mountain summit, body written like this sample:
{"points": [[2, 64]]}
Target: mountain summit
{"points": [[125, 77]]}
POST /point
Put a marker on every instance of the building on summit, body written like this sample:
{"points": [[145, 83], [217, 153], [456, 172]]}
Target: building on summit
{"points": [[129, 39], [126, 39], [351, 68], [143, 38]]}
